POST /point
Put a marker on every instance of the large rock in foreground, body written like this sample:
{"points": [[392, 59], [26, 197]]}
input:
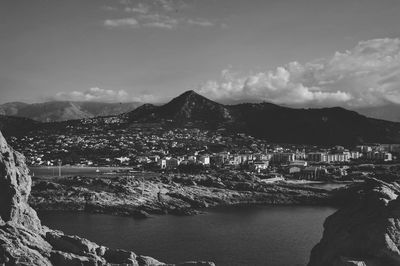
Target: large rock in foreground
{"points": [[15, 187], [24, 241], [365, 232]]}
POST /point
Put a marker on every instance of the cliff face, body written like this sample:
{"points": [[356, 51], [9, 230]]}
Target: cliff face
{"points": [[365, 232], [15, 187], [24, 241]]}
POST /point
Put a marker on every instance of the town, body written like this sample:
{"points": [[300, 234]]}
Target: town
{"points": [[155, 147]]}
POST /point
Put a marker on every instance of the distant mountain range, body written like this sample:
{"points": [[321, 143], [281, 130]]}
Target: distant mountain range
{"points": [[272, 122], [268, 121], [65, 110], [389, 112]]}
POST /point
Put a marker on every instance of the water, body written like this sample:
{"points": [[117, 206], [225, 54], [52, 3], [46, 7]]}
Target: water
{"points": [[258, 235], [52, 171]]}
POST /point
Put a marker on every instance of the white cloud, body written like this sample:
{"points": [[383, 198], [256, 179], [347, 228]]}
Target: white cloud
{"points": [[94, 95], [159, 21], [160, 25], [168, 5], [145, 98], [200, 22], [140, 9], [155, 20], [124, 22], [368, 74], [162, 14]]}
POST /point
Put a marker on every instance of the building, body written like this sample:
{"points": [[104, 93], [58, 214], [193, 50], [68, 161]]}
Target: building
{"points": [[259, 166], [204, 159], [282, 157], [379, 156], [292, 169], [364, 148], [312, 173], [337, 157], [316, 157], [169, 163]]}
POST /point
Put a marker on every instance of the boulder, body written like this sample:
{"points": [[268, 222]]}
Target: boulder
{"points": [[365, 232], [15, 187]]}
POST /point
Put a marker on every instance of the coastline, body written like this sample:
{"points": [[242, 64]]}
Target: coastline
{"points": [[172, 194]]}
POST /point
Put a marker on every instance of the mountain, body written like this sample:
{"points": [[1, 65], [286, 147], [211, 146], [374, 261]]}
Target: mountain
{"points": [[273, 122], [64, 110], [187, 107], [12, 108], [17, 126], [389, 112]]}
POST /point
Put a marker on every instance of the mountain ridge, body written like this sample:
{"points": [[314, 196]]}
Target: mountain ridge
{"points": [[55, 111], [185, 107], [274, 123], [333, 125]]}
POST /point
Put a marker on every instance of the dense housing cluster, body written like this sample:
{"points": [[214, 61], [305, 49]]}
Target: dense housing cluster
{"points": [[156, 147]]}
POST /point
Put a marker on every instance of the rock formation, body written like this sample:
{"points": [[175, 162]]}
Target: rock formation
{"points": [[365, 232], [24, 241]]}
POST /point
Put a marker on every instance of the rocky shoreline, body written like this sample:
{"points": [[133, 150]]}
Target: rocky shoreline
{"points": [[364, 232], [24, 241], [169, 194]]}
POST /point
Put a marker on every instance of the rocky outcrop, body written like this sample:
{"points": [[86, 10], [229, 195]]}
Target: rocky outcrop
{"points": [[24, 241], [15, 187], [365, 232], [180, 194]]}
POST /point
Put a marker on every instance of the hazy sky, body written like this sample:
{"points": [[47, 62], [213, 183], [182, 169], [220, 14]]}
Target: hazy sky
{"points": [[296, 52]]}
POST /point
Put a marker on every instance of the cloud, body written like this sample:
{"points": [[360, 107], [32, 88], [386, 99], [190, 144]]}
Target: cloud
{"points": [[168, 5], [140, 8], [145, 98], [159, 21], [124, 22], [161, 14], [109, 8], [200, 22], [367, 75], [155, 21], [160, 25], [94, 95]]}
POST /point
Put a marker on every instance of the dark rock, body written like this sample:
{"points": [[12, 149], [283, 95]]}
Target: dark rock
{"points": [[119, 256], [196, 263], [365, 232], [60, 258], [148, 261], [15, 187]]}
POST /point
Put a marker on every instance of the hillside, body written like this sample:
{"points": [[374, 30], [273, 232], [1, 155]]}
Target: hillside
{"points": [[272, 122], [187, 107], [389, 112], [17, 126], [65, 110]]}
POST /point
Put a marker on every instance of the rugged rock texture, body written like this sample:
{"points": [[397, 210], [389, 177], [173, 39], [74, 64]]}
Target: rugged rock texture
{"points": [[180, 194], [365, 232], [24, 241], [15, 187]]}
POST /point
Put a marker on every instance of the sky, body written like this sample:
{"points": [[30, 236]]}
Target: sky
{"points": [[290, 52]]}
